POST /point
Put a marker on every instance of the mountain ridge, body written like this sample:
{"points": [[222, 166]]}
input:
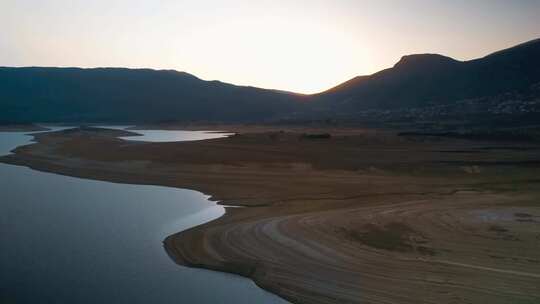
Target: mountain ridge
{"points": [[426, 79], [29, 94], [109, 94]]}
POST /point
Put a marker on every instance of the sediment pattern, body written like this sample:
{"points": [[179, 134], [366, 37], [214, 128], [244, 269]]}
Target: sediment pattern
{"points": [[356, 217]]}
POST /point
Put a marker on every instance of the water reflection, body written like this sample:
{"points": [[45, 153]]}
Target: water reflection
{"points": [[71, 240], [172, 136]]}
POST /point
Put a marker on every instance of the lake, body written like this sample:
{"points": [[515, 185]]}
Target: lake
{"points": [[171, 136], [72, 240]]}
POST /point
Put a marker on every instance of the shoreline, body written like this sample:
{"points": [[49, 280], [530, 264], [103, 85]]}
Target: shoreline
{"points": [[315, 231], [22, 128]]}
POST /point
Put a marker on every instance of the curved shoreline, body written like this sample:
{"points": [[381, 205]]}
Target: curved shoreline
{"points": [[319, 233], [21, 128]]}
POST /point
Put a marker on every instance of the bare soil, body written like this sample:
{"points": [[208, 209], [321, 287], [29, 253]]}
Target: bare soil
{"points": [[359, 216]]}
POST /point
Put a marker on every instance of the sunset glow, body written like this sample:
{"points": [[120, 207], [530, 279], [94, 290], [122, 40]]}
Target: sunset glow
{"points": [[303, 46]]}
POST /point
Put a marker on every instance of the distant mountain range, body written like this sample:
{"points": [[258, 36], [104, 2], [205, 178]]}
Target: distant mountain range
{"points": [[424, 81], [38, 94], [429, 79]]}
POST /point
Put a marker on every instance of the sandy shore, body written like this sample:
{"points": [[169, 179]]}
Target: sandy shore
{"points": [[363, 216]]}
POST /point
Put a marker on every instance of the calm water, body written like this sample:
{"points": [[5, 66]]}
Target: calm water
{"points": [[70, 240], [170, 136]]}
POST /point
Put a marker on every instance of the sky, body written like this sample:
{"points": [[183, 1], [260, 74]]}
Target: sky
{"points": [[304, 46]]}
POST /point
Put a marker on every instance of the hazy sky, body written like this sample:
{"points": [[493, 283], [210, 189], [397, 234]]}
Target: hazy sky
{"points": [[298, 45]]}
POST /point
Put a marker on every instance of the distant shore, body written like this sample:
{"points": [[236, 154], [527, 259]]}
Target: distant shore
{"points": [[337, 215], [21, 128]]}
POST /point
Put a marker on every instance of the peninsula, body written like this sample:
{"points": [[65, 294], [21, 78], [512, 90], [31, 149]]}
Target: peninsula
{"points": [[338, 215]]}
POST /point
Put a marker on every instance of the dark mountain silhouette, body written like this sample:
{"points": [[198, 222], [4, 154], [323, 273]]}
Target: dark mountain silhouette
{"points": [[38, 94], [430, 79], [142, 95]]}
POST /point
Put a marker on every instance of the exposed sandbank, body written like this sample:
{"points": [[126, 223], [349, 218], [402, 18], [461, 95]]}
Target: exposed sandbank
{"points": [[361, 217]]}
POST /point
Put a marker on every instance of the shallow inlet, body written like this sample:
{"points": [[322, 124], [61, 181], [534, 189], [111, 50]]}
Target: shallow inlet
{"points": [[72, 240], [172, 136]]}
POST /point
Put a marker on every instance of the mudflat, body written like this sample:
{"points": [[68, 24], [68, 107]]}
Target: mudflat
{"points": [[338, 215]]}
